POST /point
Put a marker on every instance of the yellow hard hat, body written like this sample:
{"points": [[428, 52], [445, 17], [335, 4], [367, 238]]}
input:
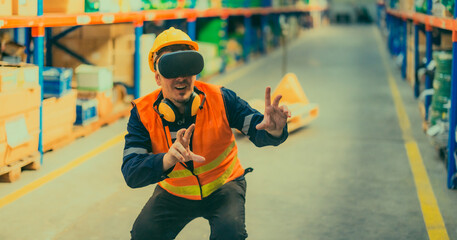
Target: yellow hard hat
{"points": [[169, 37]]}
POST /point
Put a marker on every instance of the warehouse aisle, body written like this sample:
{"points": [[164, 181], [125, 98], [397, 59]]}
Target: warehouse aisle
{"points": [[346, 176]]}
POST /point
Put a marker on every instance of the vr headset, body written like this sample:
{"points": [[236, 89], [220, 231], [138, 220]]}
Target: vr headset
{"points": [[180, 64]]}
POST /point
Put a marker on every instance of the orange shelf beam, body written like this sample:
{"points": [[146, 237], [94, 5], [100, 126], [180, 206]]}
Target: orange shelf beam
{"points": [[55, 20], [438, 22]]}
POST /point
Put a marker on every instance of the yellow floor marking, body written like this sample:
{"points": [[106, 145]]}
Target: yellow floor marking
{"points": [[55, 174], [431, 213]]}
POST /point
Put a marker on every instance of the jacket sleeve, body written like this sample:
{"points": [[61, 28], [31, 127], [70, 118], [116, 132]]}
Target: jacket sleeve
{"points": [[244, 118], [140, 167]]}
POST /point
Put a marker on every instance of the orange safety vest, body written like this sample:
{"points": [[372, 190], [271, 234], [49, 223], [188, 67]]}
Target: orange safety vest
{"points": [[212, 139]]}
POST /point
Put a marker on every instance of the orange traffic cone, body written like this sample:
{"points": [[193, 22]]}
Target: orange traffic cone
{"points": [[303, 112]]}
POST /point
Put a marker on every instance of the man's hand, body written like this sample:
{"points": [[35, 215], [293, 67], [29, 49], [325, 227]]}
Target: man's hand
{"points": [[180, 151], [275, 116]]}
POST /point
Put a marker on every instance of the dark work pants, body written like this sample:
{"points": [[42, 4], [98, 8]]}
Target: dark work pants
{"points": [[165, 215]]}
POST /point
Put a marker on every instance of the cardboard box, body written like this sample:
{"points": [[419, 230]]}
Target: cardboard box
{"points": [[107, 31], [123, 68], [27, 74], [56, 133], [32, 121], [16, 153], [25, 7], [57, 111], [93, 78], [26, 128], [13, 50], [75, 34], [124, 44], [59, 114], [147, 80], [97, 51], [6, 9], [19, 101], [105, 101], [63, 6], [8, 78], [56, 81], [446, 42]]}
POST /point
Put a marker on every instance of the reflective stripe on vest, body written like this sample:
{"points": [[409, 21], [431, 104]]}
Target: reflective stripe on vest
{"points": [[212, 139], [205, 168], [207, 189]]}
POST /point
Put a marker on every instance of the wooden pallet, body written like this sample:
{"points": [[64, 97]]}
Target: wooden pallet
{"points": [[58, 143], [12, 171]]}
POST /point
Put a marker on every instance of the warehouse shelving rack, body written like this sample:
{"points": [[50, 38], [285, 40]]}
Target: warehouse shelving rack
{"points": [[39, 23], [398, 19]]}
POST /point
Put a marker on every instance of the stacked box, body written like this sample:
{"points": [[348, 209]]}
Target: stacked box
{"points": [[442, 87], [86, 111], [63, 6], [123, 59], [19, 124], [21, 75], [96, 83], [102, 6], [56, 81], [164, 4], [213, 62], [147, 80], [213, 32], [96, 51], [59, 114], [104, 99], [410, 61], [449, 6], [25, 7], [131, 5], [115, 52], [420, 6], [6, 9], [92, 78], [8, 78]]}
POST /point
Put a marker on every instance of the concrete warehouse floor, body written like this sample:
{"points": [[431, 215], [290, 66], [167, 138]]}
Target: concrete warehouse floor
{"points": [[346, 176]]}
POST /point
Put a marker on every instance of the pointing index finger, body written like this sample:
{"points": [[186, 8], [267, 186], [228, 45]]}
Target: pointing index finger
{"points": [[179, 135], [188, 133]]}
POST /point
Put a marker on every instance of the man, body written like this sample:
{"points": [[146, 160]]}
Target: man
{"points": [[180, 137]]}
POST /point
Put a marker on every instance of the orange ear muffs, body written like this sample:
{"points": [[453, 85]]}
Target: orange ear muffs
{"points": [[170, 112]]}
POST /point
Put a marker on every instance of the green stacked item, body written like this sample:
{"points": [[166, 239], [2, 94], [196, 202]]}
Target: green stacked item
{"points": [[449, 4], [213, 62], [255, 3], [442, 86], [164, 4], [212, 42], [421, 6], [233, 3], [190, 3], [214, 32], [92, 6], [147, 5]]}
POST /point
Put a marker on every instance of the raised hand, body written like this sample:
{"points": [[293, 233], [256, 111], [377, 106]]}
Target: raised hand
{"points": [[275, 116], [180, 151]]}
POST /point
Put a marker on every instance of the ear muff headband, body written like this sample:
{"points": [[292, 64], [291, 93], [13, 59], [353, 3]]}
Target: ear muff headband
{"points": [[180, 64]]}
